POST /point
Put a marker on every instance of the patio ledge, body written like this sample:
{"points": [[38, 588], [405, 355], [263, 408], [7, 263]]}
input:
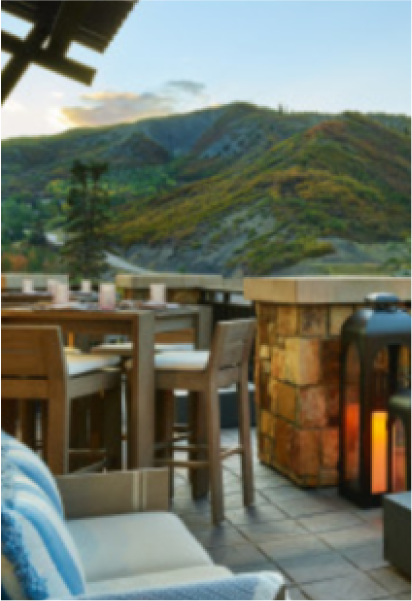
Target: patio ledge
{"points": [[326, 290]]}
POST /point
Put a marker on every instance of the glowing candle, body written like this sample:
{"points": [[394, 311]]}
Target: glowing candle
{"points": [[379, 452]]}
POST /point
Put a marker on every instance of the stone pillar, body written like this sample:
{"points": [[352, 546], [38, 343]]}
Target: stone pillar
{"points": [[297, 369]]}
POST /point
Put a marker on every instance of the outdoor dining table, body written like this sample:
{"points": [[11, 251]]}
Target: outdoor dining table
{"points": [[140, 326]]}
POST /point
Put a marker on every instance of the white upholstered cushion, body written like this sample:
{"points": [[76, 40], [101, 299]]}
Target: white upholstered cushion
{"points": [[125, 348], [193, 360], [160, 579], [72, 350], [173, 346], [121, 348], [127, 545], [80, 364]]}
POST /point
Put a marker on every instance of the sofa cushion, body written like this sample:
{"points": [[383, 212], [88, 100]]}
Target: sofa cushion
{"points": [[263, 586], [160, 579], [29, 464], [134, 544]]}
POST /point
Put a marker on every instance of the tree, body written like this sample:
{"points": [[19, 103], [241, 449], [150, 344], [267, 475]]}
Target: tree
{"points": [[87, 213]]}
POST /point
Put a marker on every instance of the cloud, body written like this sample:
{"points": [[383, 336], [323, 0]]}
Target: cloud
{"points": [[108, 107], [188, 87]]}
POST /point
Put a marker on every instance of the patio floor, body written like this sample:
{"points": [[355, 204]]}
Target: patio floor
{"points": [[326, 547]]}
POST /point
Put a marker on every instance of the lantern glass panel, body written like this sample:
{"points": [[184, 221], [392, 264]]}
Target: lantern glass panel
{"points": [[380, 379], [398, 457], [404, 368], [379, 417], [352, 416]]}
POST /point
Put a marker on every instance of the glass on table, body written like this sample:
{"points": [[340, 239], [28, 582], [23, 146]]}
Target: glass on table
{"points": [[27, 286], [61, 293], [158, 293], [107, 296], [86, 286]]}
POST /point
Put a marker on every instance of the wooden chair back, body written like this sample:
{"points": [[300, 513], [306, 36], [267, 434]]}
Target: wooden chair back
{"points": [[231, 345], [31, 357]]}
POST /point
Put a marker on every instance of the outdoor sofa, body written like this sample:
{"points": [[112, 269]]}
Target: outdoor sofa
{"points": [[105, 536]]}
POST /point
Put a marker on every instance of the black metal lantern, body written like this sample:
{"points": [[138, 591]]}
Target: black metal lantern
{"points": [[375, 342], [399, 447]]}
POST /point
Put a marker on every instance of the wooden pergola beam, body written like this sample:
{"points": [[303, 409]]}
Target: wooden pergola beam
{"points": [[57, 24], [65, 24], [19, 62], [30, 51]]}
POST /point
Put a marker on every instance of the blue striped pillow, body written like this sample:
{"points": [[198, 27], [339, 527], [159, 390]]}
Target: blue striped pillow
{"points": [[32, 467], [32, 505]]}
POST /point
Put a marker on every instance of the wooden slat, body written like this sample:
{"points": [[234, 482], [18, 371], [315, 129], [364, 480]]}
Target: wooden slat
{"points": [[231, 354], [194, 465], [21, 49], [24, 389], [22, 350], [225, 453]]}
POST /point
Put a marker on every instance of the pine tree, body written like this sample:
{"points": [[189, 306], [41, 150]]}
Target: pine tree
{"points": [[87, 214]]}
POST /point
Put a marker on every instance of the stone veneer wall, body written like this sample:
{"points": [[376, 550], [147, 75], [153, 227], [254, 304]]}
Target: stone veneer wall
{"points": [[297, 389], [297, 376]]}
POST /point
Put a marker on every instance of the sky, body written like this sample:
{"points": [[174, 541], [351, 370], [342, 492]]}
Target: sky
{"points": [[174, 56]]}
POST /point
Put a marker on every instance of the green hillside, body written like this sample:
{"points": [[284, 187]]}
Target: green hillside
{"points": [[233, 189]]}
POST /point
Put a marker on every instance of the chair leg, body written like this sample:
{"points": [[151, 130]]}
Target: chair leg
{"points": [[113, 427], [244, 437], [164, 421], [215, 462], [57, 433], [198, 436], [79, 431]]}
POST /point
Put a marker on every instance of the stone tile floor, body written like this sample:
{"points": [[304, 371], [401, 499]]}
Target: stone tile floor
{"points": [[325, 546]]}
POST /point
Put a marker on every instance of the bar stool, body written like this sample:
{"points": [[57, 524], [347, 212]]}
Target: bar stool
{"points": [[203, 373], [68, 385]]}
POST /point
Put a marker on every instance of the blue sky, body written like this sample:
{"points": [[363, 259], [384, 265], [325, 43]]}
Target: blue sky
{"points": [[181, 55]]}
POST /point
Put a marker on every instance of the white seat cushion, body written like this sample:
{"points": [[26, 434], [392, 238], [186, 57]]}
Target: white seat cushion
{"points": [[125, 348], [121, 348], [125, 546], [174, 346], [80, 364], [72, 349], [160, 579], [185, 360]]}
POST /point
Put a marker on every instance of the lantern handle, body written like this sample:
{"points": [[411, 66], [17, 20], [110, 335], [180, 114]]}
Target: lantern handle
{"points": [[381, 301]]}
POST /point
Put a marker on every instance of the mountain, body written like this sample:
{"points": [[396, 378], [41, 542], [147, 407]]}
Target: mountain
{"points": [[235, 189]]}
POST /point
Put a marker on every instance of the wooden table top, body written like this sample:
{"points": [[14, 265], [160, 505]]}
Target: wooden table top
{"points": [[42, 312], [26, 296]]}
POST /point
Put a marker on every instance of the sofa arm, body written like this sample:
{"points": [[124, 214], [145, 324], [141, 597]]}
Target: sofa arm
{"points": [[265, 585], [112, 493]]}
